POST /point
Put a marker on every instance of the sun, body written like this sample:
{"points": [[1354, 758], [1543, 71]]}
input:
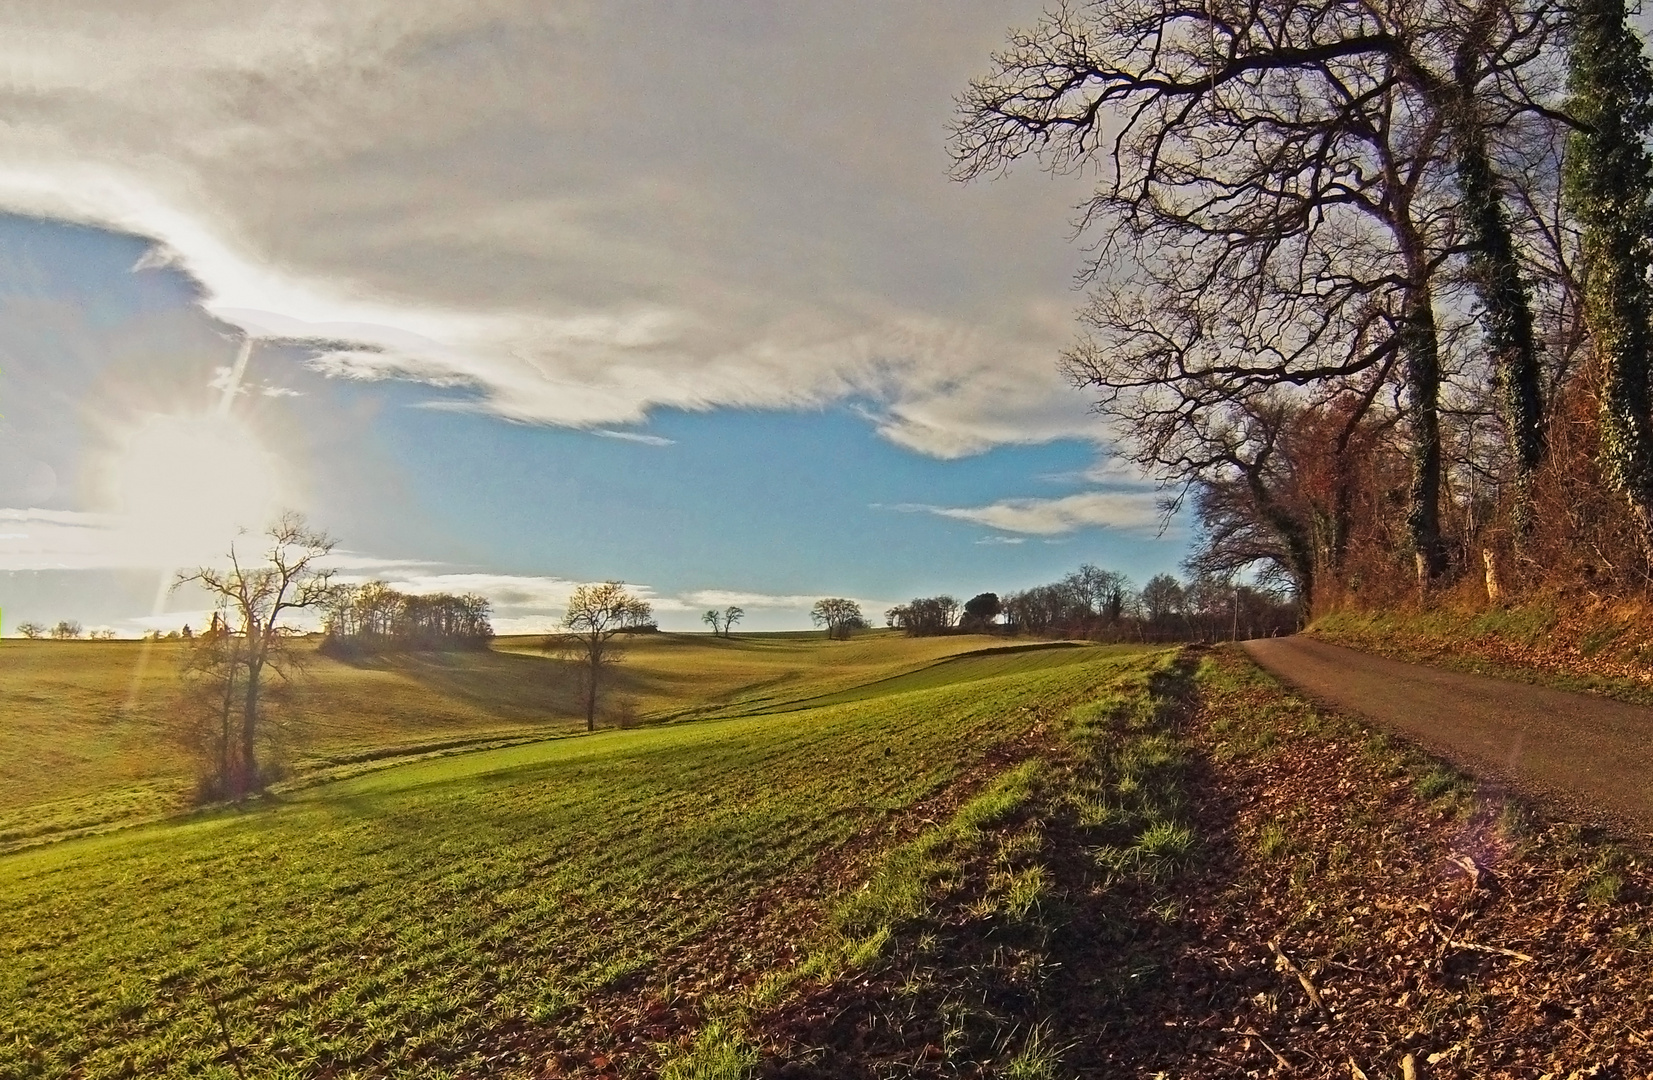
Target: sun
{"points": [[185, 484]]}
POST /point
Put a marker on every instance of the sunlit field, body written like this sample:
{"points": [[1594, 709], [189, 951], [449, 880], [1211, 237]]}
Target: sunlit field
{"points": [[87, 728], [424, 919]]}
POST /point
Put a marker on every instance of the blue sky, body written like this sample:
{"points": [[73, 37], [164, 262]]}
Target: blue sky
{"points": [[753, 346]]}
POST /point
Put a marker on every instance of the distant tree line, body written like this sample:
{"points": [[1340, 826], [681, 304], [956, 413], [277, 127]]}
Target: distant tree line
{"points": [[375, 618], [1102, 605], [67, 630], [925, 615]]}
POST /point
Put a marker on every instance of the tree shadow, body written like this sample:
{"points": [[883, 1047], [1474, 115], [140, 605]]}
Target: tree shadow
{"points": [[512, 686], [1114, 971]]}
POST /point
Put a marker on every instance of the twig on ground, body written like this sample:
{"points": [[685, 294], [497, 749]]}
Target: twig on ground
{"points": [[224, 1030], [1252, 1033], [1452, 943], [1284, 962]]}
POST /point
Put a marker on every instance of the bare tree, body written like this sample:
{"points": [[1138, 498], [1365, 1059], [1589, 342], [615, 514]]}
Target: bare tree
{"points": [[596, 613], [67, 630], [732, 615], [1161, 598], [246, 640], [1279, 210], [838, 615], [31, 630], [1101, 591], [714, 619]]}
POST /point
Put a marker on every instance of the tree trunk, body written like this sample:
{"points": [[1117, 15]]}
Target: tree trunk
{"points": [[1506, 318], [1495, 272], [251, 780], [1423, 382], [1299, 545], [591, 694], [228, 780], [1607, 184]]}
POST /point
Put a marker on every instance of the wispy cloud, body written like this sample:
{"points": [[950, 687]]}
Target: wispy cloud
{"points": [[1133, 511], [37, 539], [636, 437], [1002, 540], [782, 255], [1108, 470]]}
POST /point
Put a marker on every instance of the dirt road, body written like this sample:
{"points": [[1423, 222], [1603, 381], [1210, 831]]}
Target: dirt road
{"points": [[1592, 757]]}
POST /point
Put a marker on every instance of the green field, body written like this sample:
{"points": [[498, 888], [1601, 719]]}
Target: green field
{"points": [[85, 727], [426, 919]]}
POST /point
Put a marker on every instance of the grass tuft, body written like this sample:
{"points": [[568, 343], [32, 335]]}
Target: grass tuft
{"points": [[1272, 841], [1436, 782], [718, 1053], [1038, 1059]]}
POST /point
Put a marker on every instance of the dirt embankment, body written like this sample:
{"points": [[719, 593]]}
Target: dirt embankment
{"points": [[1584, 645]]}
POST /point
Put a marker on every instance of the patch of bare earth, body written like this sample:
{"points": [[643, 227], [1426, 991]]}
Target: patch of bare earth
{"points": [[1354, 910]]}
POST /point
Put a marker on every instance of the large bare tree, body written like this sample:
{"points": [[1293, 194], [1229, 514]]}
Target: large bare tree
{"points": [[1280, 194], [246, 641]]}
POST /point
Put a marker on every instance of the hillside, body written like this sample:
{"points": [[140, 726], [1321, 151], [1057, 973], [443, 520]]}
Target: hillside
{"points": [[427, 919], [88, 731], [1031, 864]]}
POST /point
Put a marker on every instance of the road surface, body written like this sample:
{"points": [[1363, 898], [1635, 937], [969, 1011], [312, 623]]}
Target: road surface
{"points": [[1591, 757]]}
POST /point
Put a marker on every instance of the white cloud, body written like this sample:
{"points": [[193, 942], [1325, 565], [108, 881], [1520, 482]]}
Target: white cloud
{"points": [[437, 190], [722, 598], [1108, 470], [636, 437], [63, 540], [1002, 540], [529, 592], [1133, 511]]}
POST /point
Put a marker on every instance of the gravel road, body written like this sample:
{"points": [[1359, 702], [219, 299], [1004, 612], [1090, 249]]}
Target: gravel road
{"points": [[1590, 757]]}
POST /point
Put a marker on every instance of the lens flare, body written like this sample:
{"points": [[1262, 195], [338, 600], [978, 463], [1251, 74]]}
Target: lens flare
{"points": [[184, 485]]}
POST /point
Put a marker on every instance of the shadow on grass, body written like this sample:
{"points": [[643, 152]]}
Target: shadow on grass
{"points": [[1065, 951], [513, 686]]}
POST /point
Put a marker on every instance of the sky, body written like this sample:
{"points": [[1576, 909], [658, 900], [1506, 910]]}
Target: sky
{"points": [[509, 296]]}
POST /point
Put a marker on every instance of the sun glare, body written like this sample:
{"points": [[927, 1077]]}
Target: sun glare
{"points": [[186, 484]]}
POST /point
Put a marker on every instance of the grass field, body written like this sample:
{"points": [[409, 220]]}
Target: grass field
{"points": [[84, 727], [423, 919]]}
